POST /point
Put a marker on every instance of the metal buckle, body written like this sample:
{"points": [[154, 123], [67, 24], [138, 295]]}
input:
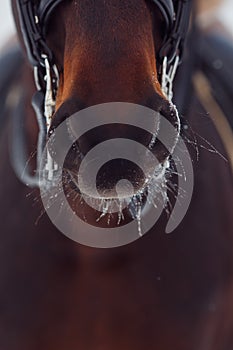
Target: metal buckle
{"points": [[49, 106], [50, 101], [168, 75], [51, 84]]}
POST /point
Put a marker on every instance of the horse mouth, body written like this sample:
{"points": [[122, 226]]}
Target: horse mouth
{"points": [[121, 189], [120, 205]]}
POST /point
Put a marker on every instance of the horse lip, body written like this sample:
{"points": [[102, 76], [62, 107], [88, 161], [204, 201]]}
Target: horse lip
{"points": [[122, 208], [139, 192]]}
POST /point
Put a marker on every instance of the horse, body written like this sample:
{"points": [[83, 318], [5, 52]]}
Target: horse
{"points": [[161, 291]]}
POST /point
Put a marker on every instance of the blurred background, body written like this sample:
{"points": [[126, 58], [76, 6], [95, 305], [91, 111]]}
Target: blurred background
{"points": [[6, 20], [212, 11]]}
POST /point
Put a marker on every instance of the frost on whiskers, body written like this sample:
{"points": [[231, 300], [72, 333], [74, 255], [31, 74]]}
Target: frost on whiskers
{"points": [[159, 190]]}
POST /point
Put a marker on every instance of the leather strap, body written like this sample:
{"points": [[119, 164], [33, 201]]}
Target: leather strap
{"points": [[167, 9], [31, 31], [174, 44], [45, 10]]}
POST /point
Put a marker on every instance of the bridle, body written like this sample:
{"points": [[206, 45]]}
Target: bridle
{"points": [[34, 17]]}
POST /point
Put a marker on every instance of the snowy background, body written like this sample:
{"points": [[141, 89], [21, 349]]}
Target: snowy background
{"points": [[6, 21], [224, 13]]}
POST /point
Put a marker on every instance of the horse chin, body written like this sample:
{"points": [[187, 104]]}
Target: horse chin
{"points": [[120, 205]]}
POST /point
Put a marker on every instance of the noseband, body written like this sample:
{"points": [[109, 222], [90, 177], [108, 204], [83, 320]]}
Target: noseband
{"points": [[34, 20]]}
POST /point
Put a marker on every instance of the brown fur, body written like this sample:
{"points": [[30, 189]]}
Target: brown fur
{"points": [[161, 292]]}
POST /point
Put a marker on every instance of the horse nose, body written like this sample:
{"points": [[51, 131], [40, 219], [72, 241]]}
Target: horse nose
{"points": [[114, 155], [115, 159]]}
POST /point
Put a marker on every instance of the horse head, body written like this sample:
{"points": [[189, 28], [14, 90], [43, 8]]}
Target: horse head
{"points": [[108, 52]]}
